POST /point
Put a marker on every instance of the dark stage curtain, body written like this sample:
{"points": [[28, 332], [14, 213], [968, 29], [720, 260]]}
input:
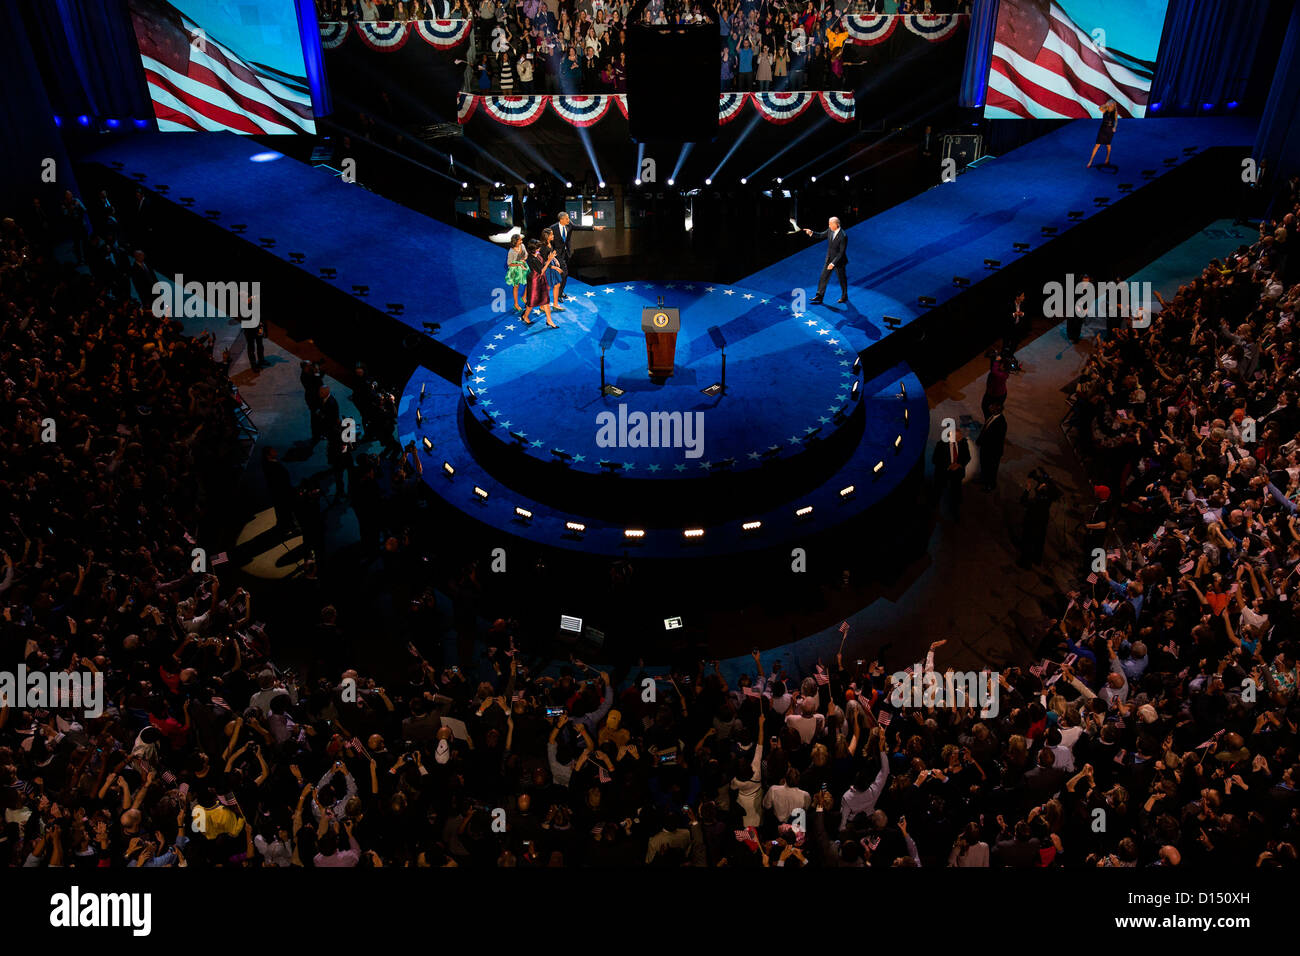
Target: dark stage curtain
{"points": [[313, 56], [1206, 53], [87, 54], [26, 124], [979, 53], [1278, 139]]}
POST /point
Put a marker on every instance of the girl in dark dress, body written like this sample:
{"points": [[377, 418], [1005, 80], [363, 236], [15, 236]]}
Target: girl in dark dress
{"points": [[539, 290], [1109, 120]]}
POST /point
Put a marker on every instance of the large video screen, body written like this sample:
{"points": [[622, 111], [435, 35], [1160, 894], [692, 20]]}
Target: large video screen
{"points": [[224, 65], [1063, 59]]}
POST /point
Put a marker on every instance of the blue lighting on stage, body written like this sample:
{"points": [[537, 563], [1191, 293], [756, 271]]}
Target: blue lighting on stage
{"points": [[58, 120], [112, 124], [141, 124], [268, 157], [83, 119]]}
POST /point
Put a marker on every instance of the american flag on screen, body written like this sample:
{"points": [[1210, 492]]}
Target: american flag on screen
{"points": [[1045, 65], [197, 82]]}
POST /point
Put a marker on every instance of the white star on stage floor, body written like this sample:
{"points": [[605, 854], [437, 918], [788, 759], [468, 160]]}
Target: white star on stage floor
{"points": [[507, 425], [823, 419], [839, 351], [570, 298], [843, 362], [795, 441], [537, 444], [728, 292], [629, 288], [690, 288], [832, 341], [486, 401], [607, 290], [774, 448], [510, 327], [840, 398], [709, 289], [833, 408], [579, 457], [679, 467], [748, 295], [811, 428], [670, 286], [498, 336], [480, 368], [781, 307], [628, 466], [483, 358], [809, 323], [652, 468], [590, 295], [823, 331], [491, 346], [753, 456], [479, 379], [762, 301]]}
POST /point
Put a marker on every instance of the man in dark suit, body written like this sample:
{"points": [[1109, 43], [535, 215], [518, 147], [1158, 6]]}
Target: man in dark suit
{"points": [[562, 243], [991, 441], [951, 456], [837, 257], [280, 486]]}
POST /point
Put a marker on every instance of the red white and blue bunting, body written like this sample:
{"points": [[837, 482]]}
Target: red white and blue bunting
{"points": [[443, 34], [585, 111], [392, 35], [871, 29], [879, 27], [385, 36], [581, 110], [333, 34], [933, 28], [729, 106], [839, 106], [465, 107], [514, 110], [782, 107]]}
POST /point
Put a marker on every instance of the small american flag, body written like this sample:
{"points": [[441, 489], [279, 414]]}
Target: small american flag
{"points": [[168, 777], [356, 745], [844, 628], [1036, 670], [883, 718], [820, 675]]}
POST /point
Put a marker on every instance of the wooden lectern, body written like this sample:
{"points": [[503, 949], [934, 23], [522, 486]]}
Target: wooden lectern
{"points": [[660, 325]]}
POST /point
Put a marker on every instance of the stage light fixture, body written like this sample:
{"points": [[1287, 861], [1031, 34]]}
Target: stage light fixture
{"points": [[419, 419], [568, 184], [1048, 230], [902, 390], [1125, 187], [898, 443], [524, 513], [633, 533], [1148, 174], [804, 512], [469, 373], [1074, 215], [532, 185], [422, 384], [519, 437], [464, 185], [577, 527], [778, 180], [847, 492], [857, 365], [496, 185], [926, 300], [960, 282], [1101, 200], [449, 471], [892, 323], [693, 533], [480, 493], [744, 181], [855, 392], [472, 395], [812, 179], [846, 177], [612, 466], [638, 182], [428, 445], [907, 416], [1020, 246], [992, 263], [561, 454], [879, 467], [751, 526], [670, 181]]}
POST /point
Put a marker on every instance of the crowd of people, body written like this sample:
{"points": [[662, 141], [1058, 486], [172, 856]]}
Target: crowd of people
{"points": [[1164, 704]]}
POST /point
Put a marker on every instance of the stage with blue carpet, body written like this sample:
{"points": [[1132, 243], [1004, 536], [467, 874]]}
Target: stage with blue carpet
{"points": [[788, 449]]}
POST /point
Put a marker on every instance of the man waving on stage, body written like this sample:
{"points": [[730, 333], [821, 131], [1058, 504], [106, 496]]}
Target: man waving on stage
{"points": [[837, 257]]}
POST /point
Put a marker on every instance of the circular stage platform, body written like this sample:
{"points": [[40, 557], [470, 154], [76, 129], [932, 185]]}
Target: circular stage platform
{"points": [[791, 384], [797, 445]]}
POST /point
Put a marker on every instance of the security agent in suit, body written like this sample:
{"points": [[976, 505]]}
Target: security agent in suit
{"points": [[992, 441], [950, 458], [837, 257]]}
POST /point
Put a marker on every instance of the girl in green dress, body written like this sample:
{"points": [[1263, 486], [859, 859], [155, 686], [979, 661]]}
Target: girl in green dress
{"points": [[517, 268]]}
